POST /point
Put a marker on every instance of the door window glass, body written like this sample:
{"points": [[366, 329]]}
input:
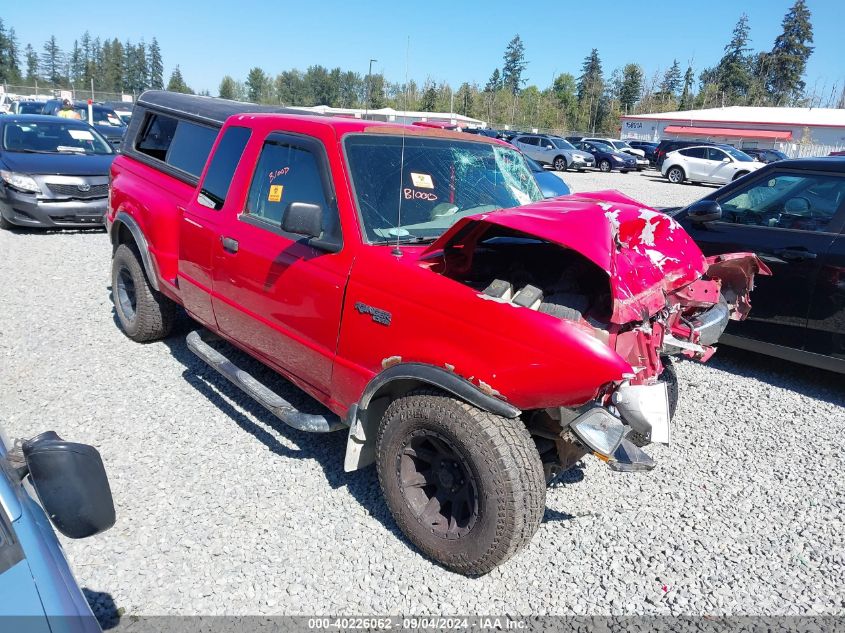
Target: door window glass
{"points": [[223, 165], [787, 201], [694, 152], [285, 174], [715, 154]]}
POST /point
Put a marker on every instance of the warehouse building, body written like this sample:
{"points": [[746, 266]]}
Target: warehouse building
{"points": [[797, 132]]}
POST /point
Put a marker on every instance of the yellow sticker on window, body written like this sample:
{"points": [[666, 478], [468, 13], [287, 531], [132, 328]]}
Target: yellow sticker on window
{"points": [[422, 180], [275, 193]]}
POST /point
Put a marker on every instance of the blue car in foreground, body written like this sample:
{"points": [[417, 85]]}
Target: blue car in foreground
{"points": [[550, 184], [37, 589]]}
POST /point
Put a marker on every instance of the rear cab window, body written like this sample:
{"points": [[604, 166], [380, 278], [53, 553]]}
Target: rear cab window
{"points": [[182, 144]]}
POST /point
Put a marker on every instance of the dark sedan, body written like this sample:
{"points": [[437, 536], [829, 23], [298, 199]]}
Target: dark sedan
{"points": [[607, 158], [765, 155], [54, 172], [791, 214], [648, 147]]}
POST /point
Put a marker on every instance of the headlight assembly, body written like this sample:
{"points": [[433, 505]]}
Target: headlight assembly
{"points": [[21, 182]]}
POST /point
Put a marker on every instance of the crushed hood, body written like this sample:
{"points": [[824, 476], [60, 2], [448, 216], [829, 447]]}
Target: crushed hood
{"points": [[645, 253]]}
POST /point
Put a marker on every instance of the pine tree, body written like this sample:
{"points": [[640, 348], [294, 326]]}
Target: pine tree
{"points": [[256, 84], [632, 86], [514, 65], [156, 66], [113, 69], [734, 71], [31, 60], [5, 66], [429, 97], [13, 57], [76, 65], [671, 80], [176, 83], [686, 102], [142, 68], [464, 99], [228, 88], [788, 59], [590, 90], [52, 61], [494, 83]]}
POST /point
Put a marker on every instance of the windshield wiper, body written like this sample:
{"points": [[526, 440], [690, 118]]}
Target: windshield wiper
{"points": [[405, 240], [24, 150]]}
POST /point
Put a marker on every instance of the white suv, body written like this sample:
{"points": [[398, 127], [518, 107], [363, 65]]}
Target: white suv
{"points": [[710, 164]]}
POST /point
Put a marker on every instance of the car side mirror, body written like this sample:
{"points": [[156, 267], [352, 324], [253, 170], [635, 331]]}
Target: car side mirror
{"points": [[704, 211], [550, 146], [726, 159], [71, 483], [303, 218]]}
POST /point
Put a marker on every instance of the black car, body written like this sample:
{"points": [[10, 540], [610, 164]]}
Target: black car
{"points": [[607, 159], [54, 172], [765, 155], [106, 120], [648, 147], [791, 214], [482, 131], [26, 106], [664, 147]]}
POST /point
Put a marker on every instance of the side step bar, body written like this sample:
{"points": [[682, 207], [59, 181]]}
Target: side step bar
{"points": [[273, 402]]}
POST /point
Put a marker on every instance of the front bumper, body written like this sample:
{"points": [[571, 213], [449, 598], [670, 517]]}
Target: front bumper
{"points": [[28, 209]]}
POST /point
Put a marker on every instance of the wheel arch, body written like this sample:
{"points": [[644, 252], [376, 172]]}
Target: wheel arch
{"points": [[395, 382], [125, 230]]}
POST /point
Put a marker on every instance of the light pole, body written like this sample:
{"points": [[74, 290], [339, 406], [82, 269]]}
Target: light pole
{"points": [[369, 88]]}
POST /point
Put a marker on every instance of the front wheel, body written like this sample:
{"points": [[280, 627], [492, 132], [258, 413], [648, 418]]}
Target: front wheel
{"points": [[675, 175], [144, 313], [465, 486], [605, 166], [739, 175], [559, 163]]}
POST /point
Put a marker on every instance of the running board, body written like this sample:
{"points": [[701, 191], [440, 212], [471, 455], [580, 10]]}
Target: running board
{"points": [[629, 458], [273, 402]]}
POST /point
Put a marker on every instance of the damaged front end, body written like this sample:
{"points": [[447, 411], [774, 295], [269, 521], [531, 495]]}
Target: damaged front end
{"points": [[629, 277]]}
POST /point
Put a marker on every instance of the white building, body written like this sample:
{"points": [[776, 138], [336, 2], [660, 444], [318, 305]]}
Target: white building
{"points": [[397, 116], [795, 131]]}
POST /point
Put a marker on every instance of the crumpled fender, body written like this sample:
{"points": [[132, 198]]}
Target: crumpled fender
{"points": [[735, 272]]}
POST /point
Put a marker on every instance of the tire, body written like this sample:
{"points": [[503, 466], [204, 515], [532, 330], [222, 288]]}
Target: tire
{"points": [[739, 175], [676, 175], [605, 166], [669, 375], [431, 445], [559, 163], [144, 313]]}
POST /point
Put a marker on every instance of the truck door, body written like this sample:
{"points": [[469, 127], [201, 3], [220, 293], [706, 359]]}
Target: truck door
{"points": [[201, 225], [274, 293]]}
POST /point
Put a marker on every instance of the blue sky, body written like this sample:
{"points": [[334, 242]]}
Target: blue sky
{"points": [[449, 41]]}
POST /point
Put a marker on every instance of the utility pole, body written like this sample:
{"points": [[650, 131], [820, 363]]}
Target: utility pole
{"points": [[369, 88]]}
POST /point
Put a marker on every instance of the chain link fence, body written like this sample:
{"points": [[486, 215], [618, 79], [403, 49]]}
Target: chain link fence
{"points": [[49, 91]]}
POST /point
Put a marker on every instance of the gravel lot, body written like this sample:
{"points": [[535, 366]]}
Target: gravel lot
{"points": [[222, 509]]}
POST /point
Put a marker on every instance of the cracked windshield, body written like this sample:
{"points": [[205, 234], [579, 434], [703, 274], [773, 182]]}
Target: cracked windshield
{"points": [[413, 189]]}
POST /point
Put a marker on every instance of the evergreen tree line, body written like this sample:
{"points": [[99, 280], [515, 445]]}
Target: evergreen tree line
{"points": [[113, 66], [592, 101]]}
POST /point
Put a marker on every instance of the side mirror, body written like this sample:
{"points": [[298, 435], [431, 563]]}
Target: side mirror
{"points": [[550, 146], [71, 483], [303, 218], [726, 159], [704, 211]]}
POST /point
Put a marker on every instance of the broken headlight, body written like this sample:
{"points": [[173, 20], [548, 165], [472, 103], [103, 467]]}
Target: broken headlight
{"points": [[599, 429]]}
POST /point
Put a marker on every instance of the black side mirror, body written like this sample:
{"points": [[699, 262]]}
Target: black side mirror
{"points": [[71, 483], [704, 211], [303, 218]]}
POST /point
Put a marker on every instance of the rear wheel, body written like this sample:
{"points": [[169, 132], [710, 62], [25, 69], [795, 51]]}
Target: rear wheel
{"points": [[465, 486], [559, 163], [144, 313], [675, 175], [605, 166]]}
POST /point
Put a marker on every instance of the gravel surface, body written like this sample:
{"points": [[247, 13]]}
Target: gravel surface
{"points": [[646, 186], [222, 509]]}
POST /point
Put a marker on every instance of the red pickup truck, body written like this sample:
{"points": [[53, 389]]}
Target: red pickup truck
{"points": [[473, 339]]}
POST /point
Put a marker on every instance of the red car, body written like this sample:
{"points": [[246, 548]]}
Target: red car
{"points": [[472, 339]]}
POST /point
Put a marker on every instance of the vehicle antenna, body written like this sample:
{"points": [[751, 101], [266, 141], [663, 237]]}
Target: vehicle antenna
{"points": [[396, 250]]}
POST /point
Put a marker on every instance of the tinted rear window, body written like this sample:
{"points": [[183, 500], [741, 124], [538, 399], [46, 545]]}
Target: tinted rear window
{"points": [[190, 147]]}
